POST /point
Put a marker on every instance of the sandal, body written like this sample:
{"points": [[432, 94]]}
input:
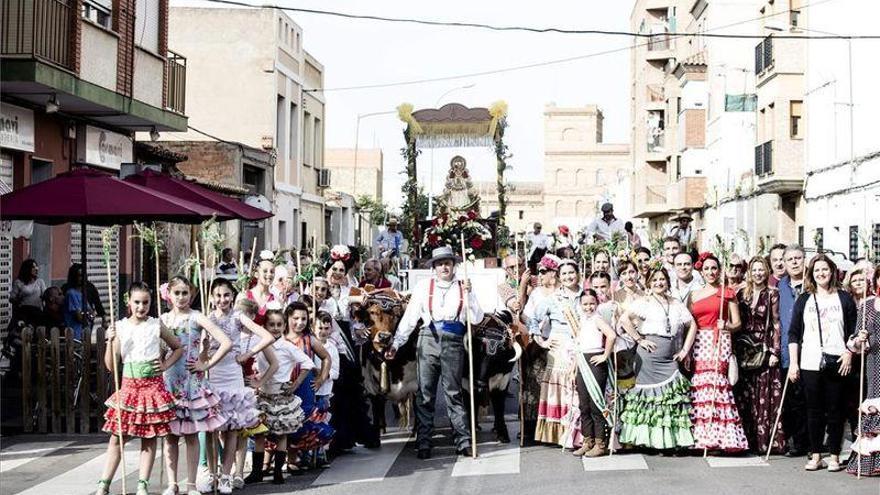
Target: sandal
{"points": [[103, 487], [143, 487], [171, 490], [815, 465]]}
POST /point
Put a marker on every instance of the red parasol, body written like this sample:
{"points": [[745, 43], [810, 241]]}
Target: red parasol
{"points": [[223, 206]]}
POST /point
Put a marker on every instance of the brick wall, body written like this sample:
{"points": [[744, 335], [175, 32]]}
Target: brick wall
{"points": [[208, 160], [123, 25], [75, 41], [163, 47]]}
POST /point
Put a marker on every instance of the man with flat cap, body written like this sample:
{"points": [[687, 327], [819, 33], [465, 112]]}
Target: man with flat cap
{"points": [[602, 228], [439, 302]]}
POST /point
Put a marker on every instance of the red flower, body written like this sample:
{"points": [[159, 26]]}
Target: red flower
{"points": [[462, 219], [432, 239], [476, 242], [435, 222], [472, 214]]}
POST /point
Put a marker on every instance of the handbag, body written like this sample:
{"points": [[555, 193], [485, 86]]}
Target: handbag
{"points": [[828, 360], [751, 354]]}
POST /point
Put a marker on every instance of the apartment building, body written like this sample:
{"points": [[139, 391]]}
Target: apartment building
{"points": [[841, 203], [252, 82], [79, 80]]}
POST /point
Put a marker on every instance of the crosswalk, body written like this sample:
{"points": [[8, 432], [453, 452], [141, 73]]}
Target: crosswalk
{"points": [[71, 467]]}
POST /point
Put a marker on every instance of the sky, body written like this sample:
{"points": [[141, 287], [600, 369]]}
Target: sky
{"points": [[362, 52]]}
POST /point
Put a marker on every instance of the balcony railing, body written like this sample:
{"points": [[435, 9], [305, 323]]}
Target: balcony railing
{"points": [[656, 93], [37, 29], [175, 74], [655, 195], [659, 42]]}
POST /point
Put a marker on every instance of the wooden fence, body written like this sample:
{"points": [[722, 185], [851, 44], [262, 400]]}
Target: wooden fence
{"points": [[64, 382]]}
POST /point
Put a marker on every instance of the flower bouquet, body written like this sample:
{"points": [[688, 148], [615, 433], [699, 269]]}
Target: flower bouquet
{"points": [[446, 231]]}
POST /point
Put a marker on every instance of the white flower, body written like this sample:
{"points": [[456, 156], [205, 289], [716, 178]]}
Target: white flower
{"points": [[267, 255]]}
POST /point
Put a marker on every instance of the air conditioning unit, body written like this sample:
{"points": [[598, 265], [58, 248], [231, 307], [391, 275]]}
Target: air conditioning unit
{"points": [[323, 177]]}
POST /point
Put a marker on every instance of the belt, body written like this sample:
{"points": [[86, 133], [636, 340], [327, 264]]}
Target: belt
{"points": [[450, 326], [139, 369]]}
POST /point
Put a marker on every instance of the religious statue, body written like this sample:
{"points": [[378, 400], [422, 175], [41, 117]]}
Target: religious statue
{"points": [[459, 195]]}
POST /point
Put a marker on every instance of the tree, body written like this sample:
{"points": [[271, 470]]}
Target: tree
{"points": [[376, 210]]}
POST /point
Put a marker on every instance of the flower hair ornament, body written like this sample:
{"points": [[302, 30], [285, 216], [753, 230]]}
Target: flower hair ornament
{"points": [[655, 264], [267, 255], [700, 259], [550, 262], [340, 253]]}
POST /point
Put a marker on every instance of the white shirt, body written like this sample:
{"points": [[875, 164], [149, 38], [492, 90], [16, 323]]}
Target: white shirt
{"points": [[446, 302], [660, 319], [832, 331], [603, 230], [138, 342], [682, 291], [327, 386], [590, 339], [537, 241], [288, 355]]}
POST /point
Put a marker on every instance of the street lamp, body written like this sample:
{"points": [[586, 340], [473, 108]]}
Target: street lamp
{"points": [[431, 170], [357, 135]]}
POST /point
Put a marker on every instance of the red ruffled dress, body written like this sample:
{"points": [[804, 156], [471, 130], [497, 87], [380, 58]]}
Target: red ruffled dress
{"points": [[144, 404], [717, 424]]}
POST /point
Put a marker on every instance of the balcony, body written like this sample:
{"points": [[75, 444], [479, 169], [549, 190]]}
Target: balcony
{"points": [[649, 199], [655, 97], [655, 145], [659, 47], [773, 181], [175, 74], [37, 30], [686, 193]]}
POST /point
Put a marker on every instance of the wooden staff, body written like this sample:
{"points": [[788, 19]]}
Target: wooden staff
{"points": [[158, 315], [716, 347], [299, 272], [211, 447], [250, 268], [467, 316], [614, 384], [522, 408], [862, 376], [776, 423], [115, 373]]}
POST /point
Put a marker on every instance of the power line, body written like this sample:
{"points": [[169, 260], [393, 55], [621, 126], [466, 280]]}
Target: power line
{"points": [[529, 29], [672, 36]]}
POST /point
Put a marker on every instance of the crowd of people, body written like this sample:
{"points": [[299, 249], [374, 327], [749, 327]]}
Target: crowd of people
{"points": [[675, 351], [667, 352]]}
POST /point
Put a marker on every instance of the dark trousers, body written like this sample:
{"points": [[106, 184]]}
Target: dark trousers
{"points": [[440, 358], [794, 414], [592, 419], [825, 391]]}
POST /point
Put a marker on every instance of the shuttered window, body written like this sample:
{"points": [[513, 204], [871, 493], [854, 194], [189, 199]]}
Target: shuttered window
{"points": [[97, 270], [146, 22], [6, 268]]}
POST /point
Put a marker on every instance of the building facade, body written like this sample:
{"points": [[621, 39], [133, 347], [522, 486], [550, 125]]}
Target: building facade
{"points": [[580, 169], [525, 203], [261, 95], [79, 80], [842, 186], [357, 175]]}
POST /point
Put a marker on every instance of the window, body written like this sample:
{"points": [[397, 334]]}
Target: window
{"points": [[282, 234], [875, 243], [764, 55], [853, 242], [677, 167], [253, 180], [294, 130], [307, 139], [146, 26], [794, 12], [580, 178], [764, 158], [521, 214], [280, 131], [318, 146], [796, 109], [819, 239], [801, 235], [600, 177], [99, 12]]}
